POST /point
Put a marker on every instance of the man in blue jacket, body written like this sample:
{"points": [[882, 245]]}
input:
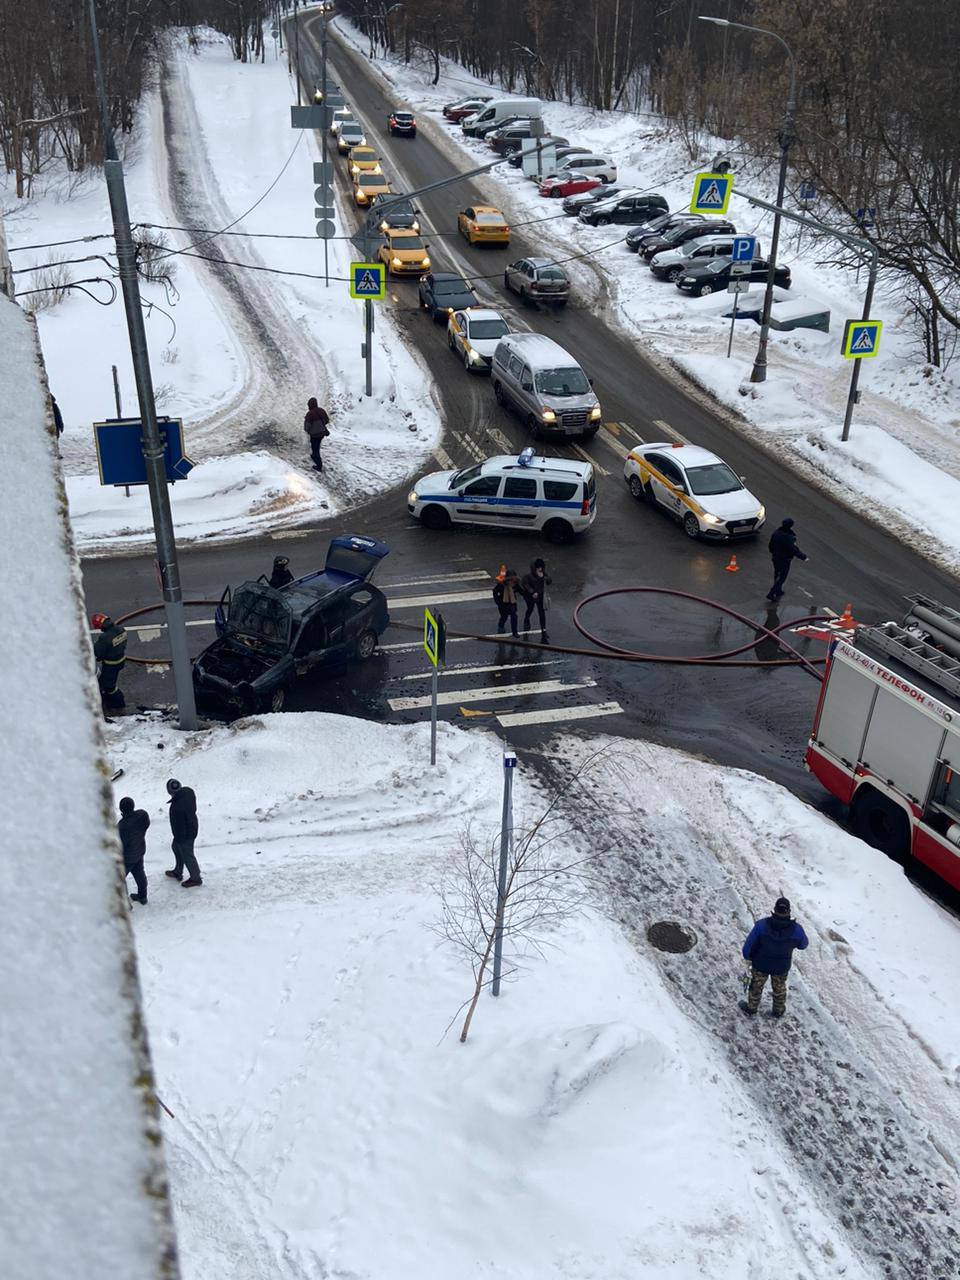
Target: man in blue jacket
{"points": [[769, 947]]}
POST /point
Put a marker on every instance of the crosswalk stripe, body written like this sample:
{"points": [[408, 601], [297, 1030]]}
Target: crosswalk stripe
{"points": [[441, 455], [555, 715], [157, 627], [490, 692], [418, 644], [631, 431], [475, 671], [587, 458], [500, 440], [453, 597], [671, 431], [618, 448], [475, 575], [471, 447]]}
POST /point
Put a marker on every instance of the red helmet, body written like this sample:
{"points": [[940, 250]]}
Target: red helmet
{"points": [[99, 621]]}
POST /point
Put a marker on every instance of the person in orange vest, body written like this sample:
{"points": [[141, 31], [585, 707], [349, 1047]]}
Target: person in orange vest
{"points": [[506, 593]]}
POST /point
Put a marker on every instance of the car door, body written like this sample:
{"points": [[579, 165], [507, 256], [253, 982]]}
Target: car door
{"points": [[666, 483], [519, 501], [222, 612], [478, 503], [311, 644], [460, 330]]}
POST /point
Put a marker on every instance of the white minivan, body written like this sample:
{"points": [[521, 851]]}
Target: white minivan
{"points": [[552, 496], [503, 109]]}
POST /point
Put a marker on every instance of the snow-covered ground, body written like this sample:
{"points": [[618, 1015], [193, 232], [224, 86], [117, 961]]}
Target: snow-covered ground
{"points": [[328, 1121], [900, 465], [248, 347]]}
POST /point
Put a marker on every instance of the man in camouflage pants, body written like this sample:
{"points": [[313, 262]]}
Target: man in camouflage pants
{"points": [[769, 947]]}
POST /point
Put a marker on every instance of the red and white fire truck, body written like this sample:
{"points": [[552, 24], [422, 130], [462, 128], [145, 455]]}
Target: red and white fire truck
{"points": [[886, 735]]}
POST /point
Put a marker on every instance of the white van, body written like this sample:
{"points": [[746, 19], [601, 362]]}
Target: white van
{"points": [[503, 109], [545, 385], [552, 496]]}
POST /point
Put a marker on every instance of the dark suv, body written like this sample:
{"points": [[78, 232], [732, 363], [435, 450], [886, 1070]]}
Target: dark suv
{"points": [[267, 637], [508, 140], [676, 236], [633, 207], [403, 123], [394, 212]]}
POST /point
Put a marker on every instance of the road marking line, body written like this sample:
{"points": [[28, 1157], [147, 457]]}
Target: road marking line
{"points": [[587, 458], [670, 431], [612, 427], [470, 575], [617, 446], [489, 693], [466, 443], [476, 671], [414, 602], [285, 534], [418, 644], [631, 431], [441, 455], [155, 628], [554, 715], [500, 440]]}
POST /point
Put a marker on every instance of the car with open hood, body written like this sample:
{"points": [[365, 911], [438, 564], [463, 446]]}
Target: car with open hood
{"points": [[268, 638]]}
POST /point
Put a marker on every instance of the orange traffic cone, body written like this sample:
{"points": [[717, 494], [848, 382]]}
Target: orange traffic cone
{"points": [[732, 567], [846, 620]]}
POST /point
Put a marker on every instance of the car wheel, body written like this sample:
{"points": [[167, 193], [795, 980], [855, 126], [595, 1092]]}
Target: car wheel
{"points": [[437, 315], [636, 489], [881, 823], [602, 221], [450, 342], [506, 280], [498, 393], [604, 180], [558, 531], [533, 426], [555, 193], [523, 296], [366, 645], [435, 517], [691, 525], [673, 275], [590, 433], [704, 290], [466, 362]]}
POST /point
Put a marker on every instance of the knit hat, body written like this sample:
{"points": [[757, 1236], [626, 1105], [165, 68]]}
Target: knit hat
{"points": [[126, 805], [173, 786], [781, 907], [787, 524]]}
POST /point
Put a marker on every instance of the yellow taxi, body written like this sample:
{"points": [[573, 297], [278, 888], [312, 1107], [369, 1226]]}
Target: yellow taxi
{"points": [[482, 224], [404, 252], [368, 185], [363, 160]]}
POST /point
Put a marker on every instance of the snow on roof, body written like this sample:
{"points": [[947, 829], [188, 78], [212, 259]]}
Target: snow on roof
{"points": [[85, 1185]]}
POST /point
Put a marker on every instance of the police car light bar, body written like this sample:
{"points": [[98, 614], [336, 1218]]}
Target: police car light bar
{"points": [[526, 456]]}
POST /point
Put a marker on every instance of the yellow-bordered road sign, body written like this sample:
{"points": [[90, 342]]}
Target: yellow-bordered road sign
{"points": [[861, 339], [434, 636], [368, 280], [711, 192]]}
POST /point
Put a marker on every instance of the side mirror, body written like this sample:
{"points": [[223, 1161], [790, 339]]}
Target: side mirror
{"points": [[590, 380]]}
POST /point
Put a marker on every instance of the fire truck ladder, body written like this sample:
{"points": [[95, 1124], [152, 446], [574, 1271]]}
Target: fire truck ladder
{"points": [[940, 665]]}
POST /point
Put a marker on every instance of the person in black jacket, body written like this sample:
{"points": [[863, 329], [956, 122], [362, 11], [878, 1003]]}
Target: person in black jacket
{"points": [[132, 830], [506, 593], [110, 651], [316, 423], [57, 416], [534, 585], [183, 828], [769, 947], [281, 574], [783, 550]]}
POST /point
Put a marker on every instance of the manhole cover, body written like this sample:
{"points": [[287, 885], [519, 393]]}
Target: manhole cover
{"points": [[667, 935]]}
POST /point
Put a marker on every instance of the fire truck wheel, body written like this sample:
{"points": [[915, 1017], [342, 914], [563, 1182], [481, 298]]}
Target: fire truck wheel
{"points": [[881, 823]]}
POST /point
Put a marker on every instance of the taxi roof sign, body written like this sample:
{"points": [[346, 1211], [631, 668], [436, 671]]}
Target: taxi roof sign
{"points": [[368, 280], [711, 192], [861, 339], [434, 637]]}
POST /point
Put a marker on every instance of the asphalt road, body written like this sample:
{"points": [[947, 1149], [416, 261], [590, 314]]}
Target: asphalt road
{"points": [[756, 719]]}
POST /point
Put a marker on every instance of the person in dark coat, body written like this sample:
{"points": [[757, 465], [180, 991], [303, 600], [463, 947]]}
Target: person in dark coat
{"points": [[534, 585], [769, 946], [783, 550], [183, 828], [57, 416], [316, 424], [132, 830], [281, 574], [110, 650], [506, 593]]}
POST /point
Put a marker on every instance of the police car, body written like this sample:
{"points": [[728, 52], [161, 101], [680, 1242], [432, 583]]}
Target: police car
{"points": [[552, 496], [697, 488]]}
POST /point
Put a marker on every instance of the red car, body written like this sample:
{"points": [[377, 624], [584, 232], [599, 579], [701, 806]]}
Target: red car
{"points": [[464, 107], [568, 185]]}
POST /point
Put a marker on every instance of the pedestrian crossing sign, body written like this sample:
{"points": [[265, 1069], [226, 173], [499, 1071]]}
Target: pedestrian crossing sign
{"points": [[861, 339], [434, 637], [368, 280], [711, 192]]}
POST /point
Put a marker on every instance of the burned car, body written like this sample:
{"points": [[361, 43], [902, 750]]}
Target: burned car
{"points": [[269, 637]]}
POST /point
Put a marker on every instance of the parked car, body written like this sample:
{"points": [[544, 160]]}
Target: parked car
{"points": [[674, 237], [573, 204], [398, 212], [350, 135], [368, 185], [403, 123], [560, 147], [591, 165], [498, 111], [403, 252], [714, 276], [473, 334], [480, 128], [566, 183], [463, 107], [697, 488], [483, 224], [633, 206], [538, 280], [269, 638], [656, 226], [669, 264], [443, 292]]}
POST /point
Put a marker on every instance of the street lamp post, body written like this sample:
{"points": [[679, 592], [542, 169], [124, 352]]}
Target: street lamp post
{"points": [[759, 371]]}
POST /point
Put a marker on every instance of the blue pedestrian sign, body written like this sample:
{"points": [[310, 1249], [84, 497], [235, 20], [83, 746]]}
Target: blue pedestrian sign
{"points": [[861, 339], [120, 451], [808, 192], [744, 248], [368, 280], [867, 217], [711, 192]]}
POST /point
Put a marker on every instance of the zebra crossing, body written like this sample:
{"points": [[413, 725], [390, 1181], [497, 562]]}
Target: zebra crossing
{"points": [[504, 688]]}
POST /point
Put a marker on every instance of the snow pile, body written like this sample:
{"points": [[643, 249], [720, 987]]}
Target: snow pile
{"points": [[327, 1119], [84, 1182]]}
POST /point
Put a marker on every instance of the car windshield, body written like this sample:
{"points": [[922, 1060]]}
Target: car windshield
{"points": [[392, 210], [371, 179], [713, 478], [405, 242], [562, 382], [350, 130], [490, 219], [450, 286], [464, 477], [676, 233], [488, 328], [403, 115], [550, 273]]}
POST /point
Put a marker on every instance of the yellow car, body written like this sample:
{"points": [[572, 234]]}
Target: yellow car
{"points": [[404, 253], [482, 224], [368, 185], [363, 160]]}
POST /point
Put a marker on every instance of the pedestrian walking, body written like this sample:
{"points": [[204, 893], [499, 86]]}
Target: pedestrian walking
{"points": [[534, 585], [183, 828], [506, 593], [57, 416], [110, 650], [132, 830], [769, 947], [281, 574], [316, 424], [783, 551]]}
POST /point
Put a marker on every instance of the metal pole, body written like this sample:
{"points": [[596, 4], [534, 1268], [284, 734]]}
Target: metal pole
{"points": [[116, 391], [151, 440], [853, 394], [368, 308], [733, 321], [296, 51], [323, 137], [433, 716], [506, 844]]}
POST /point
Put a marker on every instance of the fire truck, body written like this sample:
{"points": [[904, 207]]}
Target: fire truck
{"points": [[886, 735]]}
